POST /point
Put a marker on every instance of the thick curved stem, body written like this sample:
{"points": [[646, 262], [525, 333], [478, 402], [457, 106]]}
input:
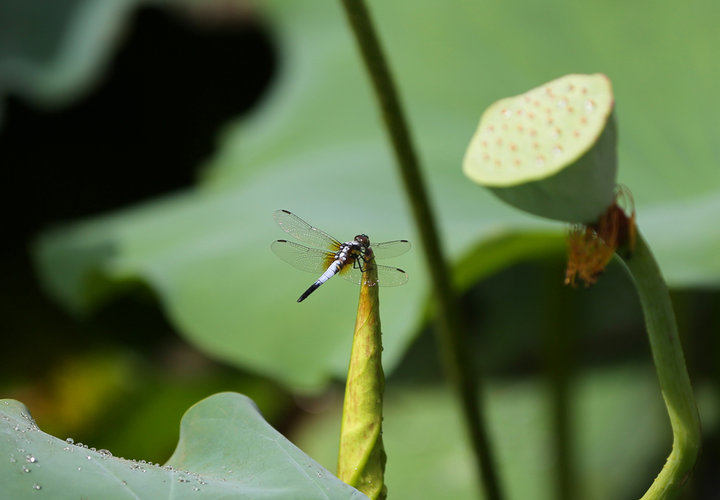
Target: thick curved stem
{"points": [[671, 371]]}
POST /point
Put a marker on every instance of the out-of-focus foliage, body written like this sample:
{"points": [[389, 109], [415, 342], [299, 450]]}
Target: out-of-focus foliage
{"points": [[52, 52], [615, 449], [316, 147]]}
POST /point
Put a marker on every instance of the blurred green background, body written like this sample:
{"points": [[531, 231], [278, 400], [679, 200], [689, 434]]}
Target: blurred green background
{"points": [[146, 144]]}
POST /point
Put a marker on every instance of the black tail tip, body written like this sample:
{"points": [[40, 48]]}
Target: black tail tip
{"points": [[310, 290]]}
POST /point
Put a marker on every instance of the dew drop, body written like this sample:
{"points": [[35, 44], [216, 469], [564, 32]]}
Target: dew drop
{"points": [[93, 449], [79, 468], [88, 457], [37, 486], [70, 441], [195, 488], [31, 459], [13, 459], [105, 453], [25, 469]]}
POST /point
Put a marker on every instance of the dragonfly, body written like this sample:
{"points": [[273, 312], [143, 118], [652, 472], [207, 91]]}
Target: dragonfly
{"points": [[327, 256]]}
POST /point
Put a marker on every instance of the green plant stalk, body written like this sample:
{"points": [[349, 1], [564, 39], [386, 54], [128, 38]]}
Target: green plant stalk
{"points": [[361, 459], [671, 371], [451, 326], [556, 323]]}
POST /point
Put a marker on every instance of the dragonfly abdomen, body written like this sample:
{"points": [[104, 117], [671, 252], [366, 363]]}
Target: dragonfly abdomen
{"points": [[331, 271]]}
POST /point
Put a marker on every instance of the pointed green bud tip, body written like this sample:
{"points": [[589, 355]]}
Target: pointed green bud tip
{"points": [[550, 151]]}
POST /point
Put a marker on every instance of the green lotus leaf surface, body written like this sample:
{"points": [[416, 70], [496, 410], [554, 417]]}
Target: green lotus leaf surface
{"points": [[226, 450]]}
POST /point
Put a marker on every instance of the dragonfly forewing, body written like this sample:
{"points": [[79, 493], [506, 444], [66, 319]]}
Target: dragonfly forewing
{"points": [[298, 228], [388, 249]]}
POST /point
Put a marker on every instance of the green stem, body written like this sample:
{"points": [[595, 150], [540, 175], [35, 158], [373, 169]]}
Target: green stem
{"points": [[452, 328], [671, 371], [361, 459], [557, 324]]}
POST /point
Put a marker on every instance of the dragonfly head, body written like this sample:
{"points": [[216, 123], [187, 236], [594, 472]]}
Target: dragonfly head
{"points": [[363, 240]]}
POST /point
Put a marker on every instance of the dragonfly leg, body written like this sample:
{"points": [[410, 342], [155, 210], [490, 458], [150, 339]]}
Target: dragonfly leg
{"points": [[359, 263]]}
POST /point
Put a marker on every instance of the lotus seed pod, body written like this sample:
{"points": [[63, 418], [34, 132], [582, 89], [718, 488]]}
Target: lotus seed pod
{"points": [[550, 151]]}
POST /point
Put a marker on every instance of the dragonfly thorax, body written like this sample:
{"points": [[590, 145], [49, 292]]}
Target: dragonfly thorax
{"points": [[351, 250]]}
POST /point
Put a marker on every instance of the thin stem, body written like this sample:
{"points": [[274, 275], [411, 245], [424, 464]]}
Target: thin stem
{"points": [[671, 371], [452, 328], [557, 321]]}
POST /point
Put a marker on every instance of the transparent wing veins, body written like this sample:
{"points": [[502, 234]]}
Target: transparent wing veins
{"points": [[387, 275], [301, 230], [311, 260], [388, 249]]}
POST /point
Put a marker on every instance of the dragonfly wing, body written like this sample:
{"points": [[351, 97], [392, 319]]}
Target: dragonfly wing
{"points": [[391, 276], [351, 273], [312, 260], [388, 249], [387, 275], [298, 228]]}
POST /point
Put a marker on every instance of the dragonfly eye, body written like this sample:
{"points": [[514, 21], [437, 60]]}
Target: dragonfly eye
{"points": [[363, 240]]}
